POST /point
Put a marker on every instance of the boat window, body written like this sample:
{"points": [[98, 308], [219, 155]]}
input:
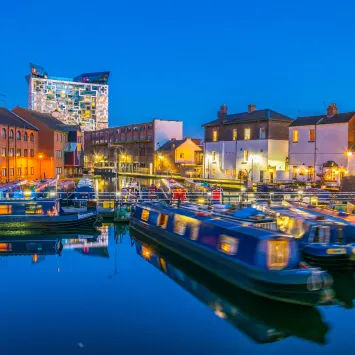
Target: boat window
{"points": [[228, 245], [6, 209], [163, 220], [277, 254], [340, 235], [321, 234], [4, 247], [163, 265], [180, 225], [145, 215], [194, 231], [33, 209]]}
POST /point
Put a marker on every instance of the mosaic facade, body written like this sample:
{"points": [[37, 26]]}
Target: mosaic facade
{"points": [[80, 101]]}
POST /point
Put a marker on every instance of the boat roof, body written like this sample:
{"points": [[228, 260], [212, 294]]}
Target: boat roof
{"points": [[217, 221]]}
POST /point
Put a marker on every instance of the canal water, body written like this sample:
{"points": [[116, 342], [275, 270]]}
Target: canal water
{"points": [[119, 294]]}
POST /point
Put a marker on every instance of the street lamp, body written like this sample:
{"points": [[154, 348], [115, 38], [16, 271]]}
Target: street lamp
{"points": [[40, 157]]}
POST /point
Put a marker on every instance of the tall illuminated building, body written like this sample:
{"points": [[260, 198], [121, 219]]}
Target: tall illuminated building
{"points": [[82, 100]]}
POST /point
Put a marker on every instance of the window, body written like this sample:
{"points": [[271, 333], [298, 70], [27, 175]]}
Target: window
{"points": [[57, 135], [214, 135], [12, 171], [213, 156], [312, 135], [25, 152], [235, 134], [58, 153], [58, 171], [246, 133], [228, 245], [162, 220], [213, 171], [179, 225], [3, 152], [3, 172], [234, 172], [145, 215], [321, 234], [11, 134], [25, 137], [277, 253], [32, 171], [32, 137], [18, 135], [3, 133], [181, 155], [295, 136], [32, 153], [18, 152], [61, 137], [11, 152], [26, 171], [227, 171], [18, 171], [262, 133], [246, 155]]}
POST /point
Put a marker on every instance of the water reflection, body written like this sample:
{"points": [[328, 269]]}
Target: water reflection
{"points": [[263, 320]]}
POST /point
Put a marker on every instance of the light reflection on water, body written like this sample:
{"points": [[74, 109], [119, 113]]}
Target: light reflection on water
{"points": [[105, 296]]}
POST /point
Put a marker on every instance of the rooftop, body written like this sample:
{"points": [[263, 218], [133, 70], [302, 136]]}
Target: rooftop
{"points": [[10, 118]]}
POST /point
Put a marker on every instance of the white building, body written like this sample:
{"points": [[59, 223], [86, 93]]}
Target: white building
{"points": [[251, 145], [322, 146]]}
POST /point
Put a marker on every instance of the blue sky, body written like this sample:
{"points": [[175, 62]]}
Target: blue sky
{"points": [[183, 59]]}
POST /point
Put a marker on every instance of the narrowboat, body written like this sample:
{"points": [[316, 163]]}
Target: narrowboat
{"points": [[261, 261], [85, 190], [261, 319], [31, 246], [322, 240], [42, 215]]}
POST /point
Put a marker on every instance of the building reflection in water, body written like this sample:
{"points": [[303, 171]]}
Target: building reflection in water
{"points": [[263, 320]]}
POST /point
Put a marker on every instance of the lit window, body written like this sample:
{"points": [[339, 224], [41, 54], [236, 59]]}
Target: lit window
{"points": [[246, 155], [3, 172], [235, 134], [295, 136], [228, 245], [213, 171], [162, 220], [3, 152], [18, 152], [145, 215], [214, 135], [246, 133], [312, 135], [179, 225], [11, 152], [277, 253], [234, 173], [227, 171]]}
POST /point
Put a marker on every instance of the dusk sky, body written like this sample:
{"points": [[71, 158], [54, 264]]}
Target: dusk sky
{"points": [[183, 59]]}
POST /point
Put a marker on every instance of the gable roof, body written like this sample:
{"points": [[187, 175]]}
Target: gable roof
{"points": [[10, 118], [257, 115], [323, 119], [45, 118], [175, 143]]}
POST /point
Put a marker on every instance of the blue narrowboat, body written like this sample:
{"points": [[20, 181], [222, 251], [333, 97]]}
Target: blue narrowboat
{"points": [[322, 240], [260, 261], [263, 320]]}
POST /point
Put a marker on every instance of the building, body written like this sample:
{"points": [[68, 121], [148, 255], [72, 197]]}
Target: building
{"points": [[52, 142], [18, 148], [82, 100], [133, 146], [321, 147], [184, 157], [73, 151], [251, 145]]}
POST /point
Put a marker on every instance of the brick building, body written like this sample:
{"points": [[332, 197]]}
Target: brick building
{"points": [[18, 148], [52, 142], [134, 145]]}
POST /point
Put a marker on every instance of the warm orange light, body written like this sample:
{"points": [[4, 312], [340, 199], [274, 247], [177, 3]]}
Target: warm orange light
{"points": [[34, 258], [146, 253], [349, 154], [40, 156]]}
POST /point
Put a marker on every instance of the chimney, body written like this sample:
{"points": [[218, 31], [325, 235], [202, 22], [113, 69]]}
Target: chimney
{"points": [[251, 108], [332, 110], [222, 112]]}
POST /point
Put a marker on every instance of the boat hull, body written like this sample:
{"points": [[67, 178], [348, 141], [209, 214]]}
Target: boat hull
{"points": [[291, 287]]}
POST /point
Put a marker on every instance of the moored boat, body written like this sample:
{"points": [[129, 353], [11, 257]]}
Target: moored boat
{"points": [[258, 260], [42, 215]]}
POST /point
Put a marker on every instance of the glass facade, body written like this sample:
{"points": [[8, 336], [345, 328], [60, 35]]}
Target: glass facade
{"points": [[80, 101]]}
